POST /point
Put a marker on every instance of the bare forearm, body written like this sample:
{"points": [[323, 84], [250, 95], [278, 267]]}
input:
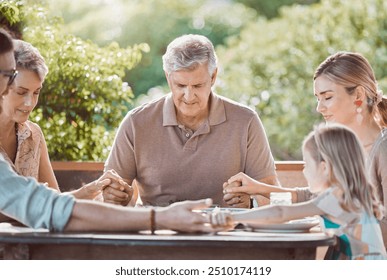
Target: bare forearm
{"points": [[271, 184], [92, 216], [279, 213], [266, 189], [265, 214], [261, 188]]}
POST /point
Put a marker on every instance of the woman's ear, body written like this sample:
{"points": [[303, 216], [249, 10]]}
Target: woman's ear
{"points": [[360, 93]]}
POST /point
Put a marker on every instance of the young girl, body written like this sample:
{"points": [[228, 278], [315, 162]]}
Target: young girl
{"points": [[346, 201]]}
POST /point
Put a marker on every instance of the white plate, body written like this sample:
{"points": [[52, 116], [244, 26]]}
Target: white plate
{"points": [[301, 225]]}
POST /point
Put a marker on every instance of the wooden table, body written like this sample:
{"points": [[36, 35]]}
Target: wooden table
{"points": [[25, 243]]}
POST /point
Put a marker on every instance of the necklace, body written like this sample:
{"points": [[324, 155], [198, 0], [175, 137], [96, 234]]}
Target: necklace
{"points": [[368, 145]]}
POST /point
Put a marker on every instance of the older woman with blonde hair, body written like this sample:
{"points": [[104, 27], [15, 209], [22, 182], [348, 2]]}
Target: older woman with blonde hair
{"points": [[23, 144]]}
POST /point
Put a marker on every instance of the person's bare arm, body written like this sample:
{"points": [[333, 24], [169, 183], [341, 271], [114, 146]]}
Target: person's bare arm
{"points": [[265, 199], [279, 213], [267, 214], [264, 187], [93, 216]]}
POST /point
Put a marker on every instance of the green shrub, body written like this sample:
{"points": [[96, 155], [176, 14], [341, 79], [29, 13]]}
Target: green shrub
{"points": [[270, 65], [156, 22], [84, 97]]}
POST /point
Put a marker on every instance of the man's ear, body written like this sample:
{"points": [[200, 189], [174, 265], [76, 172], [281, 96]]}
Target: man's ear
{"points": [[168, 76], [213, 78]]}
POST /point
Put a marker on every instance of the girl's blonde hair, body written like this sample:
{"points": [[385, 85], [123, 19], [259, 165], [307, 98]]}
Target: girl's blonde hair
{"points": [[352, 70], [343, 155]]}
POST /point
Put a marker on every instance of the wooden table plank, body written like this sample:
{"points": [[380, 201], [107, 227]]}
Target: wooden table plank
{"points": [[166, 245]]}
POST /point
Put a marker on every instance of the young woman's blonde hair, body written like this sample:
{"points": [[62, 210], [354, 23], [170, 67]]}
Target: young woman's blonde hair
{"points": [[343, 155], [352, 70]]}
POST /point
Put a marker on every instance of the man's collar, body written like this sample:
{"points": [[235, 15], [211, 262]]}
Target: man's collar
{"points": [[217, 111], [169, 111]]}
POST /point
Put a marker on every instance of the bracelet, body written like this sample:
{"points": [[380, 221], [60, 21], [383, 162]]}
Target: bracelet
{"points": [[152, 221]]}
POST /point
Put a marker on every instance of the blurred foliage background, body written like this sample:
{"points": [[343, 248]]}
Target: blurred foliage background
{"points": [[104, 58]]}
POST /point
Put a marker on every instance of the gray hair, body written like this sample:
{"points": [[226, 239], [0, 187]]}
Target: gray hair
{"points": [[188, 52], [28, 57]]}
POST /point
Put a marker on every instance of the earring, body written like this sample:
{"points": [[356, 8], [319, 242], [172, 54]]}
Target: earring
{"points": [[359, 110]]}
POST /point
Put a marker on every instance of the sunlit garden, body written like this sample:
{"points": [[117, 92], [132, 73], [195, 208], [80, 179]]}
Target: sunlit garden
{"points": [[104, 58]]}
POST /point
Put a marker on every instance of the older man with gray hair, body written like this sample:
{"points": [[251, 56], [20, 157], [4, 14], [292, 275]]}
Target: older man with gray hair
{"points": [[186, 144], [35, 205]]}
